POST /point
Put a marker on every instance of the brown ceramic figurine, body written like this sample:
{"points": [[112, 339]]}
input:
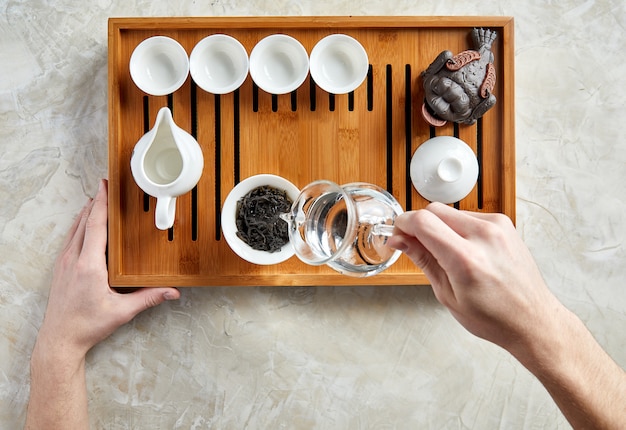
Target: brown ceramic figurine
{"points": [[459, 88]]}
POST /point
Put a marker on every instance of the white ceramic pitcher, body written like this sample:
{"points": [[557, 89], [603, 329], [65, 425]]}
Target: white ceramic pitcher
{"points": [[166, 163]]}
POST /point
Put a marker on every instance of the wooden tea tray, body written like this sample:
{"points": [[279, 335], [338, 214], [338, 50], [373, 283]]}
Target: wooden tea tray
{"points": [[366, 136]]}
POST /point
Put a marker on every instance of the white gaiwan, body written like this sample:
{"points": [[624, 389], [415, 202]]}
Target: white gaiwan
{"points": [[444, 169], [229, 216]]}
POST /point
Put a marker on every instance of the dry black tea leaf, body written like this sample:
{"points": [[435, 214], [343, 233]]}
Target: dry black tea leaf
{"points": [[258, 218]]}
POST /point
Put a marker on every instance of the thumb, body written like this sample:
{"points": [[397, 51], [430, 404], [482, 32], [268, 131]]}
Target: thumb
{"points": [[420, 256], [149, 297], [410, 246]]}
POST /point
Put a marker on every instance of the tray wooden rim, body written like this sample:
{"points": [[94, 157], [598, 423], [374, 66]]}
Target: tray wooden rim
{"points": [[505, 24], [330, 21]]}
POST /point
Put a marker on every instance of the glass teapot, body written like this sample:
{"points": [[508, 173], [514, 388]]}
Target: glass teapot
{"points": [[345, 227]]}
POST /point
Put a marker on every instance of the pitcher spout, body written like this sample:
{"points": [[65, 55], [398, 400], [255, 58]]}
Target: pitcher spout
{"points": [[163, 162]]}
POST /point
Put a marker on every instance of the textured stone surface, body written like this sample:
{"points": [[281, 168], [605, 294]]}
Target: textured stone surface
{"points": [[313, 358]]}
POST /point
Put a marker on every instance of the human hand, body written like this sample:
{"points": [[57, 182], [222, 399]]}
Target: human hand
{"points": [[82, 308], [481, 270]]}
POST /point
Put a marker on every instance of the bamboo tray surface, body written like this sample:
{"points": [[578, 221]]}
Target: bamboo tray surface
{"points": [[368, 135]]}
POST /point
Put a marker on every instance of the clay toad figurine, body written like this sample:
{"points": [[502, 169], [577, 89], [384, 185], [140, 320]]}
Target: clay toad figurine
{"points": [[459, 88]]}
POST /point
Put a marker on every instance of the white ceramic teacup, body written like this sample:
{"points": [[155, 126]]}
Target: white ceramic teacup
{"points": [[279, 64], [219, 64], [166, 163], [339, 64], [159, 65]]}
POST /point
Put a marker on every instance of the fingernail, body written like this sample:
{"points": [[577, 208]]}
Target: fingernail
{"points": [[168, 295], [100, 185]]}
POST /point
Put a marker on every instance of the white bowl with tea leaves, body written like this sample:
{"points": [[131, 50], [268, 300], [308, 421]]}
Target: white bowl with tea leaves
{"points": [[251, 221]]}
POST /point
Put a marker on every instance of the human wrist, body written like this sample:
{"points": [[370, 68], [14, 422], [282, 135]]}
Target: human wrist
{"points": [[544, 342], [56, 350], [58, 395], [586, 384]]}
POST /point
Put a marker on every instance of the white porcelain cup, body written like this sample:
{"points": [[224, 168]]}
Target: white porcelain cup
{"points": [[159, 65], [279, 64], [219, 64], [339, 64]]}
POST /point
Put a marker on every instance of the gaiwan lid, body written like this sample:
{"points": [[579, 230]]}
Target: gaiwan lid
{"points": [[444, 169]]}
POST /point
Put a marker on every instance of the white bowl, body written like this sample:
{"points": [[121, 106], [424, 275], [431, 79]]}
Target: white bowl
{"points": [[279, 64], [219, 64], [444, 169], [339, 64], [229, 214], [159, 65]]}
